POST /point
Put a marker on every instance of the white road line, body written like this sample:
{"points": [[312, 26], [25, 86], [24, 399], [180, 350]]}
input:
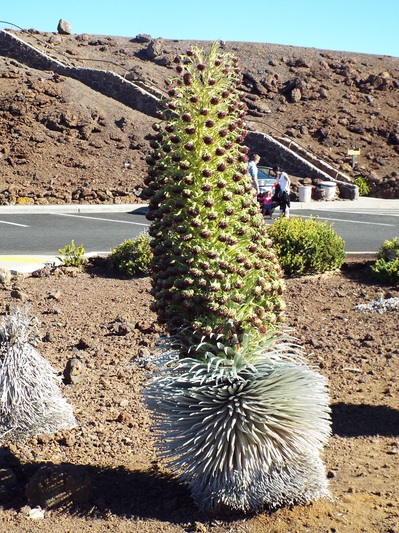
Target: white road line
{"points": [[351, 221], [98, 218], [368, 212], [14, 224]]}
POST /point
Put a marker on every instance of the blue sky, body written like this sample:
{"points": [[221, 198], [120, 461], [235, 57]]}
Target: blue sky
{"points": [[366, 26]]}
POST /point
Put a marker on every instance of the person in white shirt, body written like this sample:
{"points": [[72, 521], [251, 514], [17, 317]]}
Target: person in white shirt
{"points": [[284, 182], [253, 170]]}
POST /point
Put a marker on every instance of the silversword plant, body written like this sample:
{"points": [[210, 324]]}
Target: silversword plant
{"points": [[30, 398], [238, 412]]}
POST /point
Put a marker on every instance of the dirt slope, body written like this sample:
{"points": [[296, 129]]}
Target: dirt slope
{"points": [[61, 141]]}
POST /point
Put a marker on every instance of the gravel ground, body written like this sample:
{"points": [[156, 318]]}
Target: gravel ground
{"points": [[105, 322]]}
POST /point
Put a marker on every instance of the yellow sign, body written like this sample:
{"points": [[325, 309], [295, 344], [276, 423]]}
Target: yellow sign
{"points": [[353, 152]]}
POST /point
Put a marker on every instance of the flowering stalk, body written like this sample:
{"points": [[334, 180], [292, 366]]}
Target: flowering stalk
{"points": [[213, 260]]}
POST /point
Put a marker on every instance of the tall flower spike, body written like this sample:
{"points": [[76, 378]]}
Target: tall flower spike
{"points": [[204, 117]]}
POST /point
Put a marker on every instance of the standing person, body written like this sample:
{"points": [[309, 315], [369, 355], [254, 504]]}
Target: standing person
{"points": [[284, 183], [253, 170]]}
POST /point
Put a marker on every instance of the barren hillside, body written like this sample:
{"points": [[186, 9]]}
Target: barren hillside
{"points": [[61, 141]]}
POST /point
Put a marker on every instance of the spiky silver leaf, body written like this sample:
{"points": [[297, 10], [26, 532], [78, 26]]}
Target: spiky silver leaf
{"points": [[244, 436], [30, 399], [17, 329], [298, 482]]}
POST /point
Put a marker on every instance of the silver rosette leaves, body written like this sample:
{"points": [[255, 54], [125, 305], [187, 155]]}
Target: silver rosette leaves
{"points": [[30, 398], [245, 432]]}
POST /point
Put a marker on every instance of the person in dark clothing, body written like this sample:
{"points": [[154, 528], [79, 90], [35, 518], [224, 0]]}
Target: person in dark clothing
{"points": [[283, 187]]}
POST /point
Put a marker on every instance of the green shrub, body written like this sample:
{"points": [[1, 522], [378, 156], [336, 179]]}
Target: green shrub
{"points": [[133, 257], [386, 268], [363, 185], [72, 255], [389, 251], [306, 246]]}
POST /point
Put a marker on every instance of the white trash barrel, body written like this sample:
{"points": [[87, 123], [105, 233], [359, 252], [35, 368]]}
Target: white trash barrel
{"points": [[305, 193], [329, 188]]}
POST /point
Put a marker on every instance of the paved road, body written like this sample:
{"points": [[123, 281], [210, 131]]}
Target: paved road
{"points": [[363, 227], [46, 233]]}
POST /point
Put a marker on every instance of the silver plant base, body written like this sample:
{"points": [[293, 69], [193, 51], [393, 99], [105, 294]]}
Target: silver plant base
{"points": [[30, 398], [247, 441]]}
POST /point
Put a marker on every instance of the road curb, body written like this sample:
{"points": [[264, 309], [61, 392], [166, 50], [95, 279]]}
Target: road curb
{"points": [[362, 202], [68, 208]]}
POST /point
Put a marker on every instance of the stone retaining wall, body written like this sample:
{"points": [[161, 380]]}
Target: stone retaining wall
{"points": [[104, 81], [274, 152]]}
